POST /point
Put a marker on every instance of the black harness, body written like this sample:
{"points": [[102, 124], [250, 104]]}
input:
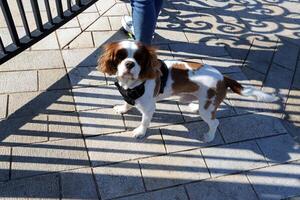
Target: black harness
{"points": [[130, 95]]}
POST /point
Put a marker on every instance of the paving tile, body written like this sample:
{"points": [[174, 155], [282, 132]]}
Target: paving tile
{"points": [[197, 51], [66, 35], [78, 184], [286, 55], [26, 104], [115, 22], [123, 146], [224, 64], [165, 194], [100, 121], [278, 81], [164, 53], [296, 81], [49, 42], [227, 187], [233, 158], [173, 169], [51, 79], [167, 112], [86, 76], [103, 37], [86, 19], [279, 149], [276, 182], [237, 47], [71, 24], [24, 130], [39, 187], [292, 108], [3, 105], [119, 179], [251, 126], [63, 125], [224, 110], [34, 60], [84, 40], [101, 24], [27, 81], [187, 136], [165, 36], [256, 79], [4, 163], [80, 57], [119, 9], [97, 97], [48, 157], [104, 7]]}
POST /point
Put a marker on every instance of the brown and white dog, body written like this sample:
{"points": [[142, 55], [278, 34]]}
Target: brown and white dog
{"points": [[135, 64]]}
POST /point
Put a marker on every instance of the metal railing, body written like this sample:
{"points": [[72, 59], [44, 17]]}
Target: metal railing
{"points": [[19, 44]]}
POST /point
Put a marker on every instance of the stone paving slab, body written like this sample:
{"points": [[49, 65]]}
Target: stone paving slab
{"points": [[165, 194], [27, 81], [167, 112], [286, 55], [97, 97], [65, 36], [187, 136], [251, 126], [24, 130], [87, 19], [5, 153], [279, 149], [34, 60], [43, 187], [233, 158], [3, 106], [100, 24], [119, 179], [100, 121], [48, 157], [227, 187], [63, 126], [276, 182], [80, 57], [28, 104], [78, 184], [123, 146], [52, 79], [173, 169], [86, 76], [84, 40]]}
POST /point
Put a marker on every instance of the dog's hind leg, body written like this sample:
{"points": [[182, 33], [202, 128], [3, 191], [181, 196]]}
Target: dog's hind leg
{"points": [[208, 115]]}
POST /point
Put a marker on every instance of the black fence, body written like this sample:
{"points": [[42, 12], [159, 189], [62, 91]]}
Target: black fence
{"points": [[56, 17]]}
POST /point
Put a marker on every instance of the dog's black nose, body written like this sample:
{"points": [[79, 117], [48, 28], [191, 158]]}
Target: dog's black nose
{"points": [[129, 64]]}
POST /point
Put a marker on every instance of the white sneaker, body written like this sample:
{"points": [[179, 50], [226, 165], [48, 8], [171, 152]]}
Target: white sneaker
{"points": [[127, 24]]}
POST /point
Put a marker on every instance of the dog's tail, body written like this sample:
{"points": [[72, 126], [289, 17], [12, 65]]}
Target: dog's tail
{"points": [[249, 91]]}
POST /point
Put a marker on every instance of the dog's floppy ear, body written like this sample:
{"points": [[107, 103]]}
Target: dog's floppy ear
{"points": [[107, 61], [150, 64]]}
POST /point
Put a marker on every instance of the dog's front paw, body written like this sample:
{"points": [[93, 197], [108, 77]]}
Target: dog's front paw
{"points": [[121, 109], [139, 132]]}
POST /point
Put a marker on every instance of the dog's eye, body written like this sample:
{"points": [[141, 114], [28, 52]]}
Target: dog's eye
{"points": [[121, 54]]}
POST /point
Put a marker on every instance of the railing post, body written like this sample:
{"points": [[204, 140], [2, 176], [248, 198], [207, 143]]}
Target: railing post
{"points": [[10, 22], [37, 15]]}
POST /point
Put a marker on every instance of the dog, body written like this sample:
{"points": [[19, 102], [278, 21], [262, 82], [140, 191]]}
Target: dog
{"points": [[143, 79]]}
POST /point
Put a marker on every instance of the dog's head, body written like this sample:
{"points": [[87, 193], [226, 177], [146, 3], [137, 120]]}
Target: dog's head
{"points": [[129, 60]]}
